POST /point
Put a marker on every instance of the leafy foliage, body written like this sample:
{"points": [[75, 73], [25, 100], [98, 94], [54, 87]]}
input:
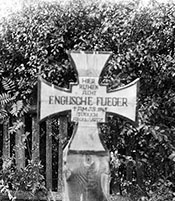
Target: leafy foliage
{"points": [[10, 103], [162, 190], [27, 179]]}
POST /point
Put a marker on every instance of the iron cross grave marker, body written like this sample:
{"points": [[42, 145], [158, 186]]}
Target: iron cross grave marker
{"points": [[86, 161]]}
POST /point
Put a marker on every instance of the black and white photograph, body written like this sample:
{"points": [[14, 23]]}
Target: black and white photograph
{"points": [[87, 100]]}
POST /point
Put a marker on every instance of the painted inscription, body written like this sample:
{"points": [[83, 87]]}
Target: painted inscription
{"points": [[88, 104], [89, 101]]}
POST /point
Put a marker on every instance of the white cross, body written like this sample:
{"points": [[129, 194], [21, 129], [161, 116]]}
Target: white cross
{"points": [[87, 99]]}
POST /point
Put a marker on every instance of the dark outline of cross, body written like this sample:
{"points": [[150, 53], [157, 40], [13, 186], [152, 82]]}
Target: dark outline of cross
{"points": [[69, 91]]}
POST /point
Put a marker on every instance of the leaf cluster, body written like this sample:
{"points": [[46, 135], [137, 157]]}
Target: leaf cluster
{"points": [[17, 180]]}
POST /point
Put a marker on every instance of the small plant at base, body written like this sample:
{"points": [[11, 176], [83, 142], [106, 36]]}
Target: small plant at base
{"points": [[28, 179], [162, 191]]}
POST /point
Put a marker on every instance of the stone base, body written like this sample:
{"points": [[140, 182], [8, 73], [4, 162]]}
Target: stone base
{"points": [[86, 176]]}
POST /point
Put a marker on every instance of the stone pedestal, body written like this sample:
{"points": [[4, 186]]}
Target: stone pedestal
{"points": [[87, 176], [86, 172]]}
